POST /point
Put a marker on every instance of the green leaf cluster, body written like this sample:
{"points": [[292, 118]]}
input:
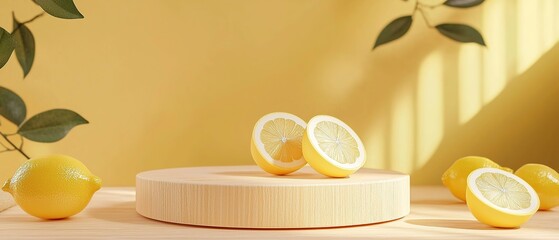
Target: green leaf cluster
{"points": [[455, 31], [49, 126], [21, 39]]}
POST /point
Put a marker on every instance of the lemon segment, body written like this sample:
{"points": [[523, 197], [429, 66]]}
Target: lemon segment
{"points": [[544, 180], [276, 143], [52, 187], [454, 178], [332, 148], [499, 198]]}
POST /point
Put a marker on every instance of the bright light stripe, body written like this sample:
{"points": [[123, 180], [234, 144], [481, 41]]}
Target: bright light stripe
{"points": [[469, 82], [494, 57], [429, 108], [529, 44]]}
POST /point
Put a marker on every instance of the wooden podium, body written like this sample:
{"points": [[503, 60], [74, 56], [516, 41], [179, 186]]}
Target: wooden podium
{"points": [[248, 197]]}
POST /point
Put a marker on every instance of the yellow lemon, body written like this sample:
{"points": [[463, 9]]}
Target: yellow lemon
{"points": [[52, 187], [500, 199], [332, 148], [454, 178], [276, 143], [544, 180]]}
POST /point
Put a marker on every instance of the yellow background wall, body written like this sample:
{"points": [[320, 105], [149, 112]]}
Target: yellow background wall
{"points": [[180, 83]]}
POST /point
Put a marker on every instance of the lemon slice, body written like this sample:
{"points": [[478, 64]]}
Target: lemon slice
{"points": [[332, 148], [499, 198], [276, 143]]}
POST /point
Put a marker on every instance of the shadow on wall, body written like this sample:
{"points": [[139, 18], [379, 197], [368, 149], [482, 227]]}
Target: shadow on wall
{"points": [[520, 126], [498, 102]]}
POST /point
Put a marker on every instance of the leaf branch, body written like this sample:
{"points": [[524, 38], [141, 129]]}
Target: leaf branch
{"points": [[19, 149], [429, 5], [28, 21], [421, 8], [424, 15]]}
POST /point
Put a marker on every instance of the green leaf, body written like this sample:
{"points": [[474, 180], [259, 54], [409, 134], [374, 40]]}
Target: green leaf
{"points": [[60, 8], [25, 46], [50, 126], [12, 106], [460, 33], [7, 45], [463, 3], [394, 30]]}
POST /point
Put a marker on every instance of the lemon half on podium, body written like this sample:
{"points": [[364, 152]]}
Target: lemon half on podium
{"points": [[332, 148], [276, 143]]}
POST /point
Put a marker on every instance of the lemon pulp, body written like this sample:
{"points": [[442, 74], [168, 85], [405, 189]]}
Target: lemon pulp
{"points": [[331, 147], [336, 142], [282, 139], [503, 191], [276, 143]]}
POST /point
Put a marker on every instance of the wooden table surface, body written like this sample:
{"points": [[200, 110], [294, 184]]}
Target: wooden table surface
{"points": [[435, 214]]}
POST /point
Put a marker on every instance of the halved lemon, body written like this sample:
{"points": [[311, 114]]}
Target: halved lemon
{"points": [[276, 143], [499, 198], [332, 148]]}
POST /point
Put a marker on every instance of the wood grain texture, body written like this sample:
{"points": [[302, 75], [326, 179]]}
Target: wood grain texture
{"points": [[247, 197], [111, 214]]}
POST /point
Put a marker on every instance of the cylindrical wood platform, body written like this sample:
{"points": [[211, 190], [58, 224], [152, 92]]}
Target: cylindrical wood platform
{"points": [[248, 197]]}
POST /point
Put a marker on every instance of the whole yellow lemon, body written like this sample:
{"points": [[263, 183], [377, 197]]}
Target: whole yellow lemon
{"points": [[52, 187], [455, 177], [544, 180]]}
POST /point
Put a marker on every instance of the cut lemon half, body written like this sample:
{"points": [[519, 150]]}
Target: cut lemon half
{"points": [[276, 143], [332, 148], [499, 198]]}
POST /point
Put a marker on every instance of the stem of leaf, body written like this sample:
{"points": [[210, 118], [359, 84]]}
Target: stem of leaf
{"points": [[425, 17], [20, 150], [419, 7], [28, 21]]}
